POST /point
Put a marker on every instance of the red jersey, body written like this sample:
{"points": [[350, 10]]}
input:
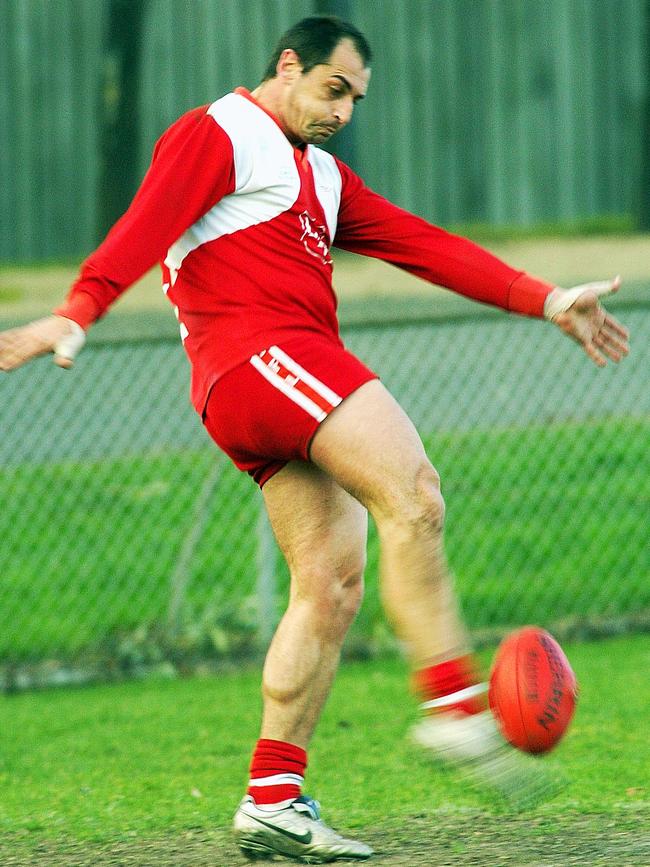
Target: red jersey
{"points": [[243, 222]]}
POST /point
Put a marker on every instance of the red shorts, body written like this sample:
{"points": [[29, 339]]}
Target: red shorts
{"points": [[265, 412]]}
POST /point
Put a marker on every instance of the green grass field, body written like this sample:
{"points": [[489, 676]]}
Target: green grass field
{"points": [[149, 773], [543, 524]]}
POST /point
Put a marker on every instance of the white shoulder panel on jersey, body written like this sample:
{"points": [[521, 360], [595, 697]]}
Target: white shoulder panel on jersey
{"points": [[266, 177], [328, 183]]}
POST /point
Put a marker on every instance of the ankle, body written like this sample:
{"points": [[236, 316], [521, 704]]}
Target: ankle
{"points": [[276, 773], [451, 686]]}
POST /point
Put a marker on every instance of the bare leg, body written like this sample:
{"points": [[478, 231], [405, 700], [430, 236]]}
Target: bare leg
{"points": [[321, 531], [372, 449]]}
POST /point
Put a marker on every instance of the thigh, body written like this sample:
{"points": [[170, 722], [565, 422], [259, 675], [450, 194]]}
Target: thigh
{"points": [[371, 448], [320, 528]]}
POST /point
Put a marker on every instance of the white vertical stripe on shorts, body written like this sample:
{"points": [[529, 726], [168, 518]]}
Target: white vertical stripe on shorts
{"points": [[293, 366], [290, 386]]}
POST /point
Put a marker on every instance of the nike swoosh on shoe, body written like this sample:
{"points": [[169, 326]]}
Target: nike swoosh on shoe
{"points": [[299, 838]]}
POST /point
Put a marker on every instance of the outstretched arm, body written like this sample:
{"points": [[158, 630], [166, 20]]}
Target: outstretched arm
{"points": [[192, 169], [372, 226]]}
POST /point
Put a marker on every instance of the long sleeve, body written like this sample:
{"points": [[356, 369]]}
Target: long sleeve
{"points": [[372, 226], [192, 169]]}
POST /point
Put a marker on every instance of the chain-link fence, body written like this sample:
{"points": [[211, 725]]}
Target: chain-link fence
{"points": [[128, 539]]}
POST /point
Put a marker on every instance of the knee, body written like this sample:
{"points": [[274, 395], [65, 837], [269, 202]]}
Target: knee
{"points": [[430, 503], [349, 593], [334, 597], [418, 506]]}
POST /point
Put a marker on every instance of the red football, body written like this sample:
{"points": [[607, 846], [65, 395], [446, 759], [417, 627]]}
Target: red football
{"points": [[533, 690]]}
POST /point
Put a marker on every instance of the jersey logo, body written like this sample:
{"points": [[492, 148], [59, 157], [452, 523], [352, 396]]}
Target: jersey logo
{"points": [[314, 238]]}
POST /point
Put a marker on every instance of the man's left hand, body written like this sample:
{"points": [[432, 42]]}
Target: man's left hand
{"points": [[578, 313]]}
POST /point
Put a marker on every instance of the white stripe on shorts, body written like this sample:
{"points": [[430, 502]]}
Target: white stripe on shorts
{"points": [[293, 366], [288, 387]]}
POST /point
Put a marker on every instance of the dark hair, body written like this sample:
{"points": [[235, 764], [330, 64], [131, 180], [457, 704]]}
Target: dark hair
{"points": [[314, 39]]}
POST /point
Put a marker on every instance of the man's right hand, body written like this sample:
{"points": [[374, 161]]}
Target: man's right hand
{"points": [[54, 334]]}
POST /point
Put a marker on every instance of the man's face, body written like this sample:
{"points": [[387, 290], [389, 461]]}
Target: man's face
{"points": [[320, 102]]}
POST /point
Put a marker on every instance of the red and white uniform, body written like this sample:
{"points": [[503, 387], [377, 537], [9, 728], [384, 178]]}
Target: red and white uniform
{"points": [[243, 223]]}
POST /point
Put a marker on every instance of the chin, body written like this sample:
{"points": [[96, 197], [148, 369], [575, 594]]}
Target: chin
{"points": [[317, 137]]}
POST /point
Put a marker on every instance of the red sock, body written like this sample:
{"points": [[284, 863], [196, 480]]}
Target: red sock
{"points": [[276, 773], [451, 685]]}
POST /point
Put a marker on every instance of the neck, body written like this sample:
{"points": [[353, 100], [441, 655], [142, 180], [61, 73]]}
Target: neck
{"points": [[267, 94]]}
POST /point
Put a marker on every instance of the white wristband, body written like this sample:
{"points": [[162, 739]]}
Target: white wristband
{"points": [[70, 345], [560, 300]]}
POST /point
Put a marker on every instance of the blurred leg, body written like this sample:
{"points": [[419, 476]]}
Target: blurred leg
{"points": [[372, 449]]}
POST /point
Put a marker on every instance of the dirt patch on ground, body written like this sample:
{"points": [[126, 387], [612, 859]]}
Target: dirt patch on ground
{"points": [[440, 840]]}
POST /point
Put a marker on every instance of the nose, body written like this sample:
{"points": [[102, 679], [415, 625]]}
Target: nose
{"points": [[343, 110]]}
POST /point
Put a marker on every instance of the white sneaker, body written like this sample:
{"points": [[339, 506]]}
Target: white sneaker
{"points": [[474, 744], [297, 832]]}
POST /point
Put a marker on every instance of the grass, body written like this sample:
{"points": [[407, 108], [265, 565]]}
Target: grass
{"points": [[543, 524], [9, 294], [158, 766], [602, 224]]}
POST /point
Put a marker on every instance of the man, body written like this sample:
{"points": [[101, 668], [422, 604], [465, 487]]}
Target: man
{"points": [[243, 209]]}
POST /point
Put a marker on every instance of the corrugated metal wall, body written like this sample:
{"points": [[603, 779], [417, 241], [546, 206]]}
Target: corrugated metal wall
{"points": [[50, 93], [196, 52], [499, 111], [504, 111]]}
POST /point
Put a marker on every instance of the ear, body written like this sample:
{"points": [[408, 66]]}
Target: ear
{"points": [[289, 66]]}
